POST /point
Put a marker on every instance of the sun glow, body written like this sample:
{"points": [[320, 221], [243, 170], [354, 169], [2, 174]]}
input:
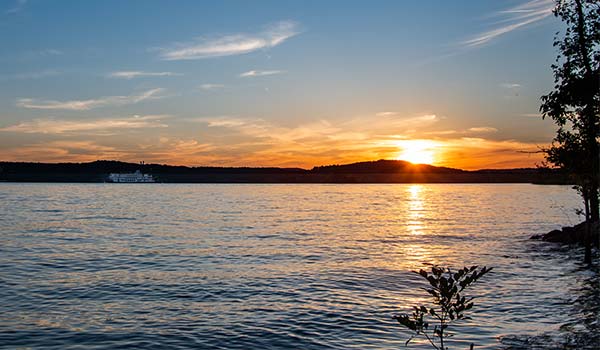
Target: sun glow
{"points": [[418, 151]]}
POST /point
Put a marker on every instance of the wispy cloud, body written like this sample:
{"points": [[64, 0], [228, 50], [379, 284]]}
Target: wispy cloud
{"points": [[98, 126], [225, 121], [243, 141], [229, 45], [386, 114], [83, 105], [463, 132], [163, 149], [480, 153], [512, 19], [321, 131], [63, 151], [262, 142], [260, 73], [483, 129], [140, 74], [211, 86], [17, 7]]}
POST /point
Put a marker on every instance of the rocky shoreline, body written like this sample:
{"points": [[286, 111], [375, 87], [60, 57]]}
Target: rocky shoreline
{"points": [[571, 335], [571, 234]]}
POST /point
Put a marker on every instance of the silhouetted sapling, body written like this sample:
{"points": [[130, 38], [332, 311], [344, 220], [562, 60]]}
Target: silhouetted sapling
{"points": [[450, 305]]}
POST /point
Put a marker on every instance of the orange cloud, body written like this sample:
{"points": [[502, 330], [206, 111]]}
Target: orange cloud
{"points": [[239, 141]]}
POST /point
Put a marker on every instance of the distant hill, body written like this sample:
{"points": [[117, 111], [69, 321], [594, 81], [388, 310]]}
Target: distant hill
{"points": [[381, 171], [383, 166]]}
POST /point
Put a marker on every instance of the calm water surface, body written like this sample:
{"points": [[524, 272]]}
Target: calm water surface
{"points": [[156, 266]]}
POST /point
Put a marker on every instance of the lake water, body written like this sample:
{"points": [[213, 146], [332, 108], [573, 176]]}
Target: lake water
{"points": [[157, 266]]}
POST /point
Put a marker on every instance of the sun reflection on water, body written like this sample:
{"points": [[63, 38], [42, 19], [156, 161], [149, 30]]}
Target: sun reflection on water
{"points": [[415, 210]]}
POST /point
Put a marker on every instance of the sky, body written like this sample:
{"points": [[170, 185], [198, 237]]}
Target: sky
{"points": [[276, 83]]}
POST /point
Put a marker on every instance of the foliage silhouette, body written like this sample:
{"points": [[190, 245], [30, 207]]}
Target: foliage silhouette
{"points": [[446, 288], [574, 104]]}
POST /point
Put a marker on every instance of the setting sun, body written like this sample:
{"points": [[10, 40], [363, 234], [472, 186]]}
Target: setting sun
{"points": [[417, 151]]}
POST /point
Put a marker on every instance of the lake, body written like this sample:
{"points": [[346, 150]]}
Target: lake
{"points": [[227, 266]]}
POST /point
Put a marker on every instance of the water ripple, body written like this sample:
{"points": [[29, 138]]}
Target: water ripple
{"points": [[278, 266]]}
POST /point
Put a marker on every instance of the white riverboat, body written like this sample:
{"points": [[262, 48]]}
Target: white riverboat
{"points": [[136, 177]]}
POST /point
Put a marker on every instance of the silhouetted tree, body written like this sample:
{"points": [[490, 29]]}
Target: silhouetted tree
{"points": [[574, 104]]}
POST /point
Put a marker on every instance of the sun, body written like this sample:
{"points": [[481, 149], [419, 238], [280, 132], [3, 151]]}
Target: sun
{"points": [[417, 151]]}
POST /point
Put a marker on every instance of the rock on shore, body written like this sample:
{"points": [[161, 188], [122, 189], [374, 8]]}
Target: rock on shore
{"points": [[570, 235]]}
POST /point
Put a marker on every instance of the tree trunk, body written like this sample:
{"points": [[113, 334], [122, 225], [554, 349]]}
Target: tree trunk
{"points": [[594, 210], [589, 111], [587, 238]]}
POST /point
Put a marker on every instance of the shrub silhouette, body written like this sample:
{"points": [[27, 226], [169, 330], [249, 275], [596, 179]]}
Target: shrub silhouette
{"points": [[450, 304]]}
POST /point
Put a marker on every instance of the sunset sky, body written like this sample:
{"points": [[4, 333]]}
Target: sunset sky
{"points": [[276, 83]]}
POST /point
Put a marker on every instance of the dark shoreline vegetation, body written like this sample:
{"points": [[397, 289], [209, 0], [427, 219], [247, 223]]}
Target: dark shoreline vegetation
{"points": [[381, 171]]}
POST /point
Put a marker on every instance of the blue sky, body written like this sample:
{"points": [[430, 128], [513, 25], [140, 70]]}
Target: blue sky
{"points": [[295, 83]]}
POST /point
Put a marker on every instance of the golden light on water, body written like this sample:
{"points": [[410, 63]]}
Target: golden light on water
{"points": [[418, 151], [415, 209]]}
